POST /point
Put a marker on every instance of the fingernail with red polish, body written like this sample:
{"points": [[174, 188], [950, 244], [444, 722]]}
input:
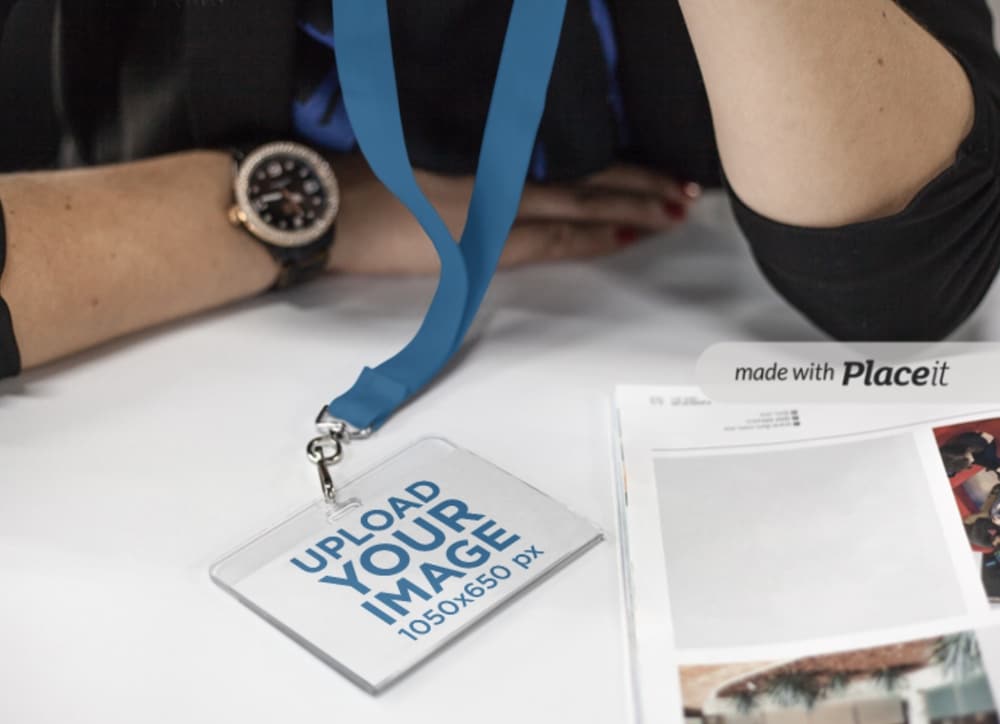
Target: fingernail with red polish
{"points": [[675, 210], [691, 189], [626, 235]]}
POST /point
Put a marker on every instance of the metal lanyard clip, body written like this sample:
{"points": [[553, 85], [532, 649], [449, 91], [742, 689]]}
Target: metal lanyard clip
{"points": [[327, 448]]}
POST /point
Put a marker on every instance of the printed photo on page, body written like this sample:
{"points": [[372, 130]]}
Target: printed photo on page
{"points": [[969, 457], [924, 681]]}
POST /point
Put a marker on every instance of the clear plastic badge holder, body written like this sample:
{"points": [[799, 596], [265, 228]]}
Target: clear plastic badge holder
{"points": [[413, 554]]}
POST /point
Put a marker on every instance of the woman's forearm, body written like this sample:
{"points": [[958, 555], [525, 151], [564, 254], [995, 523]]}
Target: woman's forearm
{"points": [[96, 253], [826, 112]]}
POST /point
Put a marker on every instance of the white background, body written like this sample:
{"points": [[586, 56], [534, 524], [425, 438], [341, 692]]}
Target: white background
{"points": [[125, 472]]}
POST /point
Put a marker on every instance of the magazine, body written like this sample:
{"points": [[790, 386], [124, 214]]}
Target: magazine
{"points": [[825, 563]]}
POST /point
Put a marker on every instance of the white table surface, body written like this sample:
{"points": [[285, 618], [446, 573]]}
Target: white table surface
{"points": [[125, 472]]}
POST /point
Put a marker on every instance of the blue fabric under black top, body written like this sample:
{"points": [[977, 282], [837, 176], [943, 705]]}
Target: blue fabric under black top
{"points": [[319, 115]]}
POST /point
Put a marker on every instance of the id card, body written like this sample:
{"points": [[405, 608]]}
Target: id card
{"points": [[418, 550]]}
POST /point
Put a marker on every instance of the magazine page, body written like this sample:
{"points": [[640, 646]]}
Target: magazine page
{"points": [[825, 563]]}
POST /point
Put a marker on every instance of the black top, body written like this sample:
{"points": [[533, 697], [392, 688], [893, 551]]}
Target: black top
{"points": [[225, 70], [142, 77], [10, 360]]}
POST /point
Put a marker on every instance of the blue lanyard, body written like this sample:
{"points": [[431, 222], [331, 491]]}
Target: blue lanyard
{"points": [[368, 82]]}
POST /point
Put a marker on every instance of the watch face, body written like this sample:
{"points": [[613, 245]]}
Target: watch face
{"points": [[287, 194]]}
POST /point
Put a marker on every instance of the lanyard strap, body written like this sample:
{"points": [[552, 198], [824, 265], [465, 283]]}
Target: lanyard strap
{"points": [[368, 82]]}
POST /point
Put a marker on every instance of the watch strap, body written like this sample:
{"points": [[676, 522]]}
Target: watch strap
{"points": [[303, 264]]}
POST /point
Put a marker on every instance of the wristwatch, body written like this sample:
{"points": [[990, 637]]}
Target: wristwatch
{"points": [[286, 196]]}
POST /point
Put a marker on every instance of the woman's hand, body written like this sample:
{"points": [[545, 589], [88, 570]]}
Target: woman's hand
{"points": [[605, 212]]}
